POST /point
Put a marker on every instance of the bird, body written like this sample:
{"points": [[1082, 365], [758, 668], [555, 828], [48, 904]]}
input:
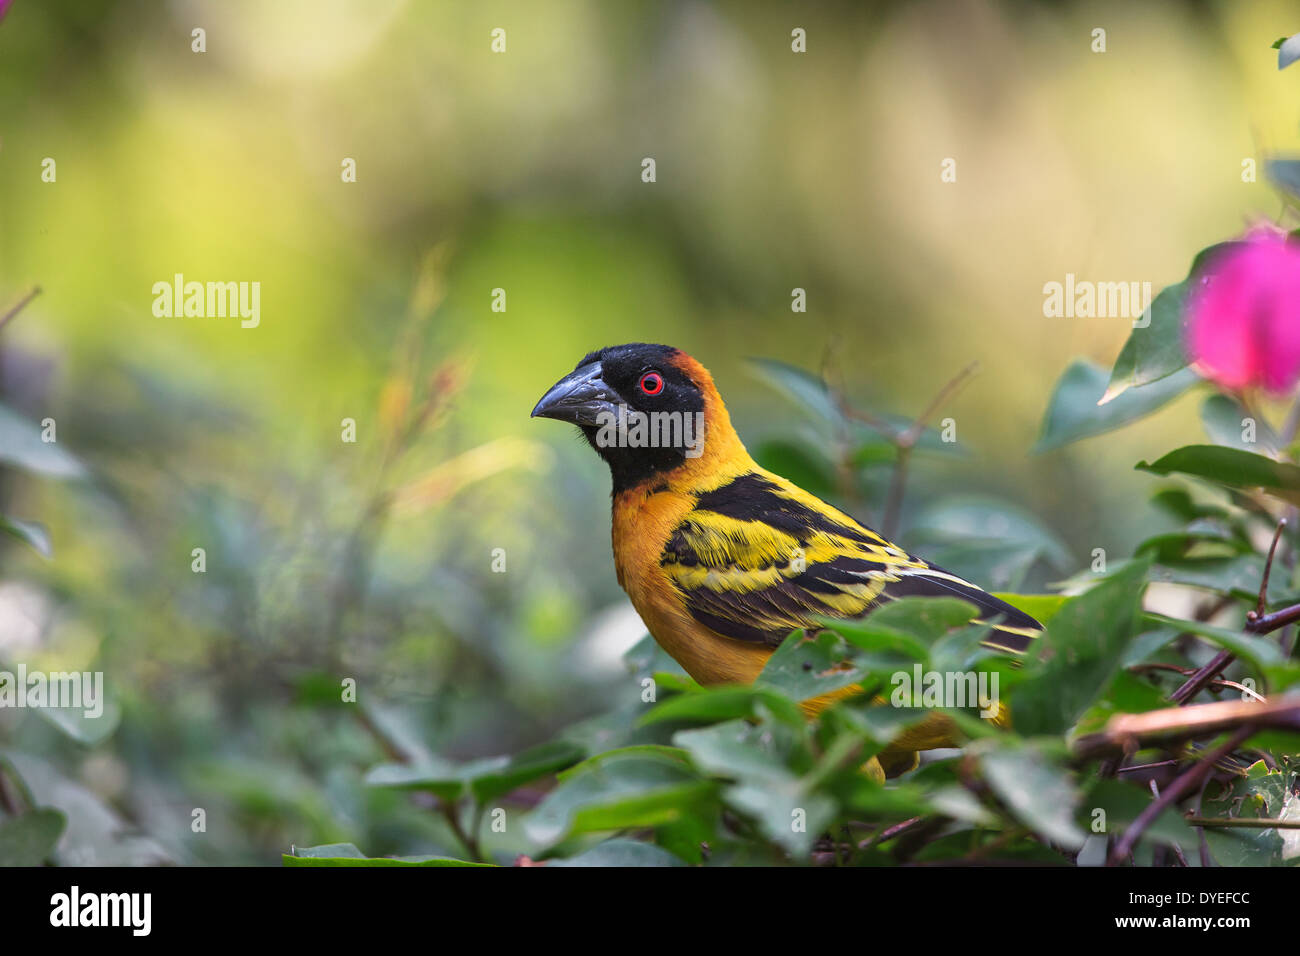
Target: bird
{"points": [[723, 559]]}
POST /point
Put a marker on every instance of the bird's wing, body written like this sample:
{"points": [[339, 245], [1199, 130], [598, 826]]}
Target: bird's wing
{"points": [[759, 557]]}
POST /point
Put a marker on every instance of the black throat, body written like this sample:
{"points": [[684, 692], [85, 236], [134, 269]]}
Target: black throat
{"points": [[629, 467]]}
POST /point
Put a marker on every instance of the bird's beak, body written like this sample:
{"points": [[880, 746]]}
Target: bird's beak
{"points": [[580, 397]]}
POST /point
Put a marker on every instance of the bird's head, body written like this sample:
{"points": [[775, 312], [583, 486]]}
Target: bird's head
{"points": [[645, 409]]}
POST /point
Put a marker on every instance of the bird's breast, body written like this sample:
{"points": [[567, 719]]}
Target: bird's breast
{"points": [[643, 521]]}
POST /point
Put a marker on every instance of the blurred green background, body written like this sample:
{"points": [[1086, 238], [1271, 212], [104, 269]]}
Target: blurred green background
{"points": [[522, 171]]}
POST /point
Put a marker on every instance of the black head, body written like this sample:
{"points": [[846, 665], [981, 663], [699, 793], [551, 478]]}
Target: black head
{"points": [[641, 407]]}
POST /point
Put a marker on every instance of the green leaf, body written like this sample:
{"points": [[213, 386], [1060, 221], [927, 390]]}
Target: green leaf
{"points": [[649, 751], [1223, 418], [766, 789], [1240, 847], [1041, 607], [1258, 650], [738, 750], [623, 789], [30, 838], [961, 651], [95, 833], [439, 777], [806, 467], [77, 724], [927, 618], [620, 852], [1156, 351], [806, 390], [1122, 803], [986, 540], [646, 657], [1086, 640], [1263, 794], [1239, 576], [1074, 411], [1036, 791], [1203, 539], [1178, 502], [28, 532], [804, 667], [811, 393], [960, 804], [1230, 467], [510, 773], [1147, 644], [880, 724], [1126, 694], [21, 445], [329, 851], [887, 647], [710, 704], [345, 854], [484, 779]]}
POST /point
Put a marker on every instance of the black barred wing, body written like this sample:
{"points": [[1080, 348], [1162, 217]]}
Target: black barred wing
{"points": [[759, 557]]}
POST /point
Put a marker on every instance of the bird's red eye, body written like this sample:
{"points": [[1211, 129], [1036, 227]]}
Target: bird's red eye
{"points": [[652, 383]]}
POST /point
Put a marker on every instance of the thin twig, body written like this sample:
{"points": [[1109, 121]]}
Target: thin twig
{"points": [[1267, 623], [1128, 733], [1206, 859], [906, 440], [1268, 568], [887, 429], [19, 306], [450, 810], [888, 833], [1257, 622], [7, 801], [1188, 671], [1244, 822], [913, 433], [1161, 850], [1202, 677], [1148, 766]]}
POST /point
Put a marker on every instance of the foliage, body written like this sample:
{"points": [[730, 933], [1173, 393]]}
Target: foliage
{"points": [[680, 774], [481, 733], [725, 775]]}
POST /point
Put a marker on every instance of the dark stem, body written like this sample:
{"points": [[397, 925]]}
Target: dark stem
{"points": [[450, 810], [894, 503], [888, 833], [1188, 671], [1257, 622], [1267, 623], [1268, 569], [19, 306], [906, 441]]}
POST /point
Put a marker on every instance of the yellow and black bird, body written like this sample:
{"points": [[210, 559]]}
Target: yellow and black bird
{"points": [[722, 558]]}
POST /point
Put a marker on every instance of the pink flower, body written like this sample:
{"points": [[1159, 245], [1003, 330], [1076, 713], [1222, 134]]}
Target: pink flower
{"points": [[4, 5], [1243, 314]]}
